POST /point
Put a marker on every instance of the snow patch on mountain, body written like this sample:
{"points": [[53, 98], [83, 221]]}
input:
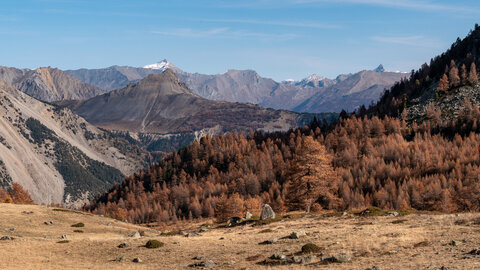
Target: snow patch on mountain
{"points": [[162, 65]]}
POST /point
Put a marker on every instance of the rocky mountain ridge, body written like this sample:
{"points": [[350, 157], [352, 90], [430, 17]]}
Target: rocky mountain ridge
{"points": [[162, 104], [56, 155], [247, 86], [48, 84]]}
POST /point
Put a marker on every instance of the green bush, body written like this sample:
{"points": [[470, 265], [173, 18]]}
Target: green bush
{"points": [[78, 225], [154, 244]]}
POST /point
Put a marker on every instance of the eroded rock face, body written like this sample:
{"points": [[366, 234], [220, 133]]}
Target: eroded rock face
{"points": [[267, 212], [42, 144]]}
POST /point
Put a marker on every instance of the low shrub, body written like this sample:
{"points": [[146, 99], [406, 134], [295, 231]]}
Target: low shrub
{"points": [[311, 248], [154, 244]]}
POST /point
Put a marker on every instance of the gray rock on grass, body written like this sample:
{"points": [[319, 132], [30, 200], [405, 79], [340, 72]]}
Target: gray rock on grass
{"points": [[297, 234], [267, 212]]}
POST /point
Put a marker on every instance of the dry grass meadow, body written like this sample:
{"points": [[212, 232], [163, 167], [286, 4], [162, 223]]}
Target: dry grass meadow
{"points": [[415, 241]]}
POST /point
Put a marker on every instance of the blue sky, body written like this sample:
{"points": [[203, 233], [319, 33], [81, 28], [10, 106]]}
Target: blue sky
{"points": [[280, 39]]}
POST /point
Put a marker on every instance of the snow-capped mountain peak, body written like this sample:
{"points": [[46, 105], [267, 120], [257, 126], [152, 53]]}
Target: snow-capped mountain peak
{"points": [[314, 78], [289, 81], [162, 65], [380, 68]]}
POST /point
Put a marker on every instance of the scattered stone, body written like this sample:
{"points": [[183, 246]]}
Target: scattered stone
{"points": [[123, 245], [183, 233], [207, 264], [154, 244], [309, 259], [222, 238], [475, 251], [311, 248], [135, 235], [267, 212], [49, 223], [137, 260], [278, 256], [467, 240], [248, 215], [374, 268], [64, 236], [455, 243], [27, 212], [193, 234], [231, 262], [119, 259], [235, 221], [197, 258], [392, 213], [338, 258], [297, 259], [203, 229], [269, 241], [13, 229], [5, 238], [344, 213], [297, 234]]}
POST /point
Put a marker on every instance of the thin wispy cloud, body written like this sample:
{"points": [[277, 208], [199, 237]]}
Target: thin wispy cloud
{"points": [[276, 23], [191, 33], [417, 41], [405, 4], [223, 32]]}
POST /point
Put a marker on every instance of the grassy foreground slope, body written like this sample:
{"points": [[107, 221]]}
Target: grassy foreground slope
{"points": [[416, 241]]}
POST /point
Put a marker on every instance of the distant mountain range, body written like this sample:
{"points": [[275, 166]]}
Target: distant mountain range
{"points": [[312, 94], [162, 104]]}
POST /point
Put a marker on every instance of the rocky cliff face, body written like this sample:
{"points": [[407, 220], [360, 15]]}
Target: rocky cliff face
{"points": [[48, 84], [56, 155]]}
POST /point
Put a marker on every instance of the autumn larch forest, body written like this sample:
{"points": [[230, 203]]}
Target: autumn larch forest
{"points": [[372, 157]]}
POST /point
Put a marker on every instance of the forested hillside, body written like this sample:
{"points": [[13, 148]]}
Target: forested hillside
{"points": [[373, 158], [376, 162]]}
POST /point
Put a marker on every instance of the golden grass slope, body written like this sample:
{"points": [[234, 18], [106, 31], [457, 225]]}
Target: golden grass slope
{"points": [[416, 241]]}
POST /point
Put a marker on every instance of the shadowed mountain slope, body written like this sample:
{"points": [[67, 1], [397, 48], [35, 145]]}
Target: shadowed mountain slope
{"points": [[162, 104]]}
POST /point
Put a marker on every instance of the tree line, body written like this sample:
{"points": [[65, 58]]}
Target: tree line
{"points": [[355, 163]]}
